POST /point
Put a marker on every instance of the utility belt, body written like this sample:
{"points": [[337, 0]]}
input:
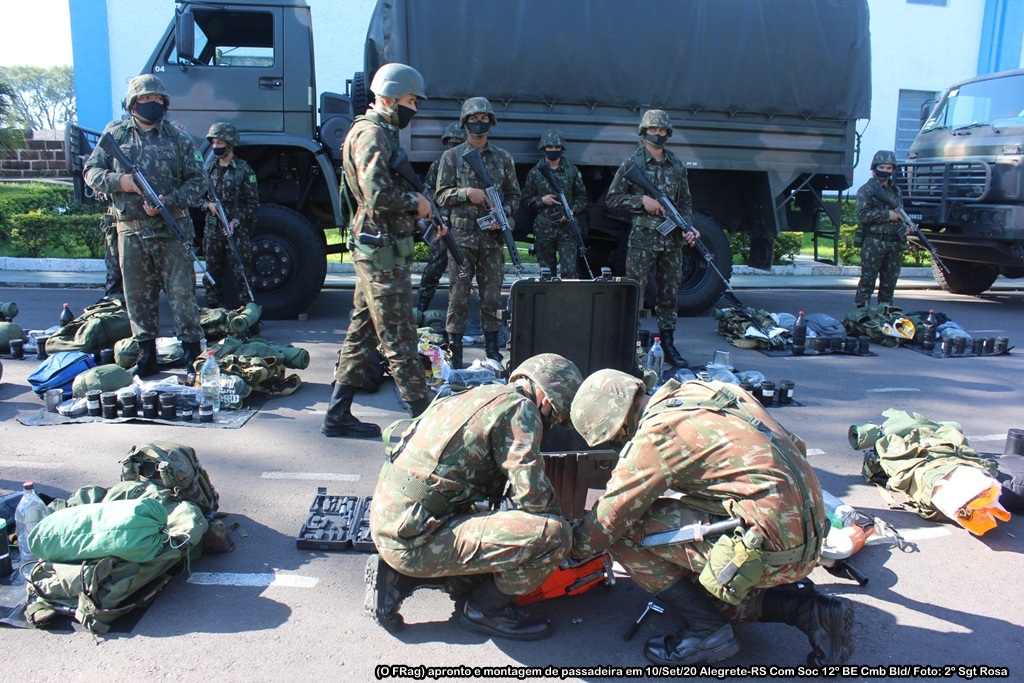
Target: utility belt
{"points": [[416, 490], [137, 224], [384, 250], [885, 233]]}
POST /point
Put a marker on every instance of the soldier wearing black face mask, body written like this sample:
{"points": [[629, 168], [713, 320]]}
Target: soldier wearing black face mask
{"points": [[880, 233], [437, 262]]}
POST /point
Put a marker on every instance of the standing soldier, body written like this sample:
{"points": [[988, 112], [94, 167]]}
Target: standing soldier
{"points": [[437, 263], [152, 256], [464, 194], [239, 192], [114, 284], [883, 236], [717, 446], [381, 244], [425, 520], [647, 246], [551, 229]]}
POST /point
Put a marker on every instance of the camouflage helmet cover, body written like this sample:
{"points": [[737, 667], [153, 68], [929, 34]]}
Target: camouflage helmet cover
{"points": [[477, 105], [655, 118], [146, 84], [223, 131], [603, 404], [452, 131], [556, 375], [883, 156], [552, 138], [395, 80]]}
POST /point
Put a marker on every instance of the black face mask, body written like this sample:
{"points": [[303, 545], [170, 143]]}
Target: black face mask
{"points": [[405, 115], [478, 127], [451, 144], [553, 154], [220, 151], [883, 175], [151, 112], [656, 140]]}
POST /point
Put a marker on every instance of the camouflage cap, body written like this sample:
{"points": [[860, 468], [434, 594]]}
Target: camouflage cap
{"points": [[477, 105], [603, 403], [556, 375], [223, 130], [883, 156], [452, 131], [552, 138], [395, 80], [655, 118], [146, 84]]}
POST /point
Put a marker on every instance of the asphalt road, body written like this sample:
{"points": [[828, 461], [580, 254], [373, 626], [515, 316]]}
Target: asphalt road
{"points": [[955, 603]]}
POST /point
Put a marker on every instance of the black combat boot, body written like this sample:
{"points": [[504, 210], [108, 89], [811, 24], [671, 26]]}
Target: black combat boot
{"points": [[668, 345], [145, 365], [417, 407], [827, 621], [455, 347], [491, 346], [386, 588], [339, 420], [492, 613], [707, 636], [192, 350]]}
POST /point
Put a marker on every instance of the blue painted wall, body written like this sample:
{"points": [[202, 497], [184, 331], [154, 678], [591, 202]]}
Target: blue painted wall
{"points": [[1002, 32], [90, 46]]}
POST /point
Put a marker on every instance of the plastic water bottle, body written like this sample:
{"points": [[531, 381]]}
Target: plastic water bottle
{"points": [[66, 315], [799, 335], [839, 513], [209, 380], [29, 513], [656, 359]]}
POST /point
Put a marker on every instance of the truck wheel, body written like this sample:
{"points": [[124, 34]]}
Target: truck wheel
{"points": [[700, 287], [964, 277], [360, 96], [289, 262]]}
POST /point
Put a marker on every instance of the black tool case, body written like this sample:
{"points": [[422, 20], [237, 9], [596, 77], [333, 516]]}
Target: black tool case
{"points": [[331, 523]]}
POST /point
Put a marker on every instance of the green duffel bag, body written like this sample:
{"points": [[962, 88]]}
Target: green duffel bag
{"points": [[102, 377], [9, 331], [130, 530], [99, 327], [126, 352]]}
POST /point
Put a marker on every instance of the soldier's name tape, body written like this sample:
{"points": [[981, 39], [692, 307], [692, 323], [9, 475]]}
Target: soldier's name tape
{"points": [[266, 580]]}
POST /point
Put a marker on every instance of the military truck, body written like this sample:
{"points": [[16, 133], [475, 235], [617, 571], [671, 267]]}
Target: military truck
{"points": [[963, 181], [764, 97]]}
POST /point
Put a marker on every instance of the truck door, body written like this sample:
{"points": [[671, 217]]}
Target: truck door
{"points": [[235, 75]]}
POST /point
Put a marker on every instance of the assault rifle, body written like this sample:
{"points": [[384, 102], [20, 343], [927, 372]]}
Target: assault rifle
{"points": [[400, 164], [911, 225], [676, 220], [111, 147], [222, 216], [497, 214], [549, 176]]}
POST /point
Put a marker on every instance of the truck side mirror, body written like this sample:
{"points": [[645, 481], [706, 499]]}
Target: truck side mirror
{"points": [[926, 109], [185, 37]]}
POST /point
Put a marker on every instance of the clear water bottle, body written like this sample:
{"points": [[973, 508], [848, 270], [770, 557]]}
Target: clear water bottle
{"points": [[209, 380], [656, 359], [66, 315], [29, 513], [799, 335], [839, 513]]}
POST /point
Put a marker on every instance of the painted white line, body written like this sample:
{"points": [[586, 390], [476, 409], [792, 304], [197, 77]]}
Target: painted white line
{"points": [[357, 413], [815, 451], [257, 580], [912, 535], [312, 476], [31, 464], [987, 437], [889, 390]]}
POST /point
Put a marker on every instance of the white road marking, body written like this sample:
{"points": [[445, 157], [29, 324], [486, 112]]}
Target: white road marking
{"points": [[357, 413], [312, 476], [815, 451], [889, 390], [273, 580], [31, 464], [987, 437]]}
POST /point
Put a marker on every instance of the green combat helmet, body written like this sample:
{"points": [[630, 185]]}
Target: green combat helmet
{"points": [[883, 156], [477, 105], [395, 80], [552, 138], [655, 118], [603, 403], [452, 131], [223, 131], [556, 375], [146, 84]]}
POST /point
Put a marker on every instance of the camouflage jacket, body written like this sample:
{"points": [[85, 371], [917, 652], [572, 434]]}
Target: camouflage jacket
{"points": [[468, 447], [238, 190], [431, 178], [668, 175], [873, 214], [168, 160], [455, 175], [385, 206], [571, 182], [721, 463]]}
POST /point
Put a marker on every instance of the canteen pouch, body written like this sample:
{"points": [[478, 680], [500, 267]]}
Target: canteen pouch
{"points": [[732, 569], [405, 247], [384, 257]]}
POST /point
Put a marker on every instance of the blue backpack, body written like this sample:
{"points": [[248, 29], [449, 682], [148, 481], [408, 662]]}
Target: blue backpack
{"points": [[59, 370]]}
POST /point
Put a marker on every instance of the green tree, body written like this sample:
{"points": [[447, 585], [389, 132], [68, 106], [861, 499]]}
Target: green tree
{"points": [[42, 97], [10, 138]]}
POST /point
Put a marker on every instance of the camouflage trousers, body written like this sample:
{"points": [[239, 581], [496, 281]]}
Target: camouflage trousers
{"points": [[648, 249], [437, 263], [520, 548], [881, 258], [488, 266], [556, 241], [382, 313], [221, 263], [149, 265], [114, 283], [655, 568]]}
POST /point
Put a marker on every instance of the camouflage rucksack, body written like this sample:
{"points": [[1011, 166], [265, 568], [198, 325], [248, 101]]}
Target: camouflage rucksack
{"points": [[99, 327], [174, 467], [884, 324]]}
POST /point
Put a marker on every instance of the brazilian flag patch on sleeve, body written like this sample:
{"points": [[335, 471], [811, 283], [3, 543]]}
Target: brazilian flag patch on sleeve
{"points": [[252, 178], [198, 156]]}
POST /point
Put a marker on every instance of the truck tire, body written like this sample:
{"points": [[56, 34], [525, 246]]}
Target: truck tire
{"points": [[965, 277], [360, 94], [289, 262]]}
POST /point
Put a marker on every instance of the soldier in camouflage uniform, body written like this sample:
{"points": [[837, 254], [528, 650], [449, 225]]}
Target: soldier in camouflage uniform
{"points": [[715, 444], [437, 262], [553, 234], [381, 244], [239, 192], [881, 232], [460, 191], [152, 256], [647, 247], [114, 284], [425, 520]]}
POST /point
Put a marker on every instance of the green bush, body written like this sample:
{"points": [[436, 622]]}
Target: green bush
{"points": [[66, 236], [787, 246]]}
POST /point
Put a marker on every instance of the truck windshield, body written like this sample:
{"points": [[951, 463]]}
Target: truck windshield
{"points": [[996, 102]]}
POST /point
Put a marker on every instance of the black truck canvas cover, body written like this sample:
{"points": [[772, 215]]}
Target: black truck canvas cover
{"points": [[793, 57]]}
